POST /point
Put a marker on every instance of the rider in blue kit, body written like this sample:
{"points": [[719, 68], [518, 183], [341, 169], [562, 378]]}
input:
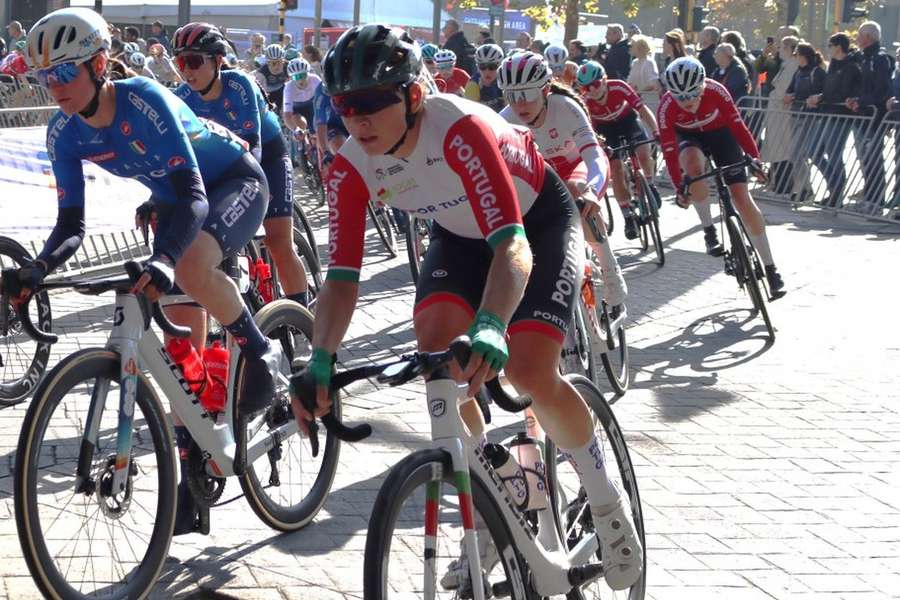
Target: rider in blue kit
{"points": [[209, 191], [233, 100]]}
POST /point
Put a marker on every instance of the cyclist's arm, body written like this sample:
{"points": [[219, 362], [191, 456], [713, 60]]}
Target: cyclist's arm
{"points": [[589, 148], [649, 120], [668, 141], [250, 115], [473, 90], [68, 233], [471, 151]]}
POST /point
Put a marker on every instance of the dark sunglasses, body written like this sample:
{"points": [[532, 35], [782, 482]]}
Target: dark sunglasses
{"points": [[364, 103], [61, 74], [488, 66], [189, 61]]}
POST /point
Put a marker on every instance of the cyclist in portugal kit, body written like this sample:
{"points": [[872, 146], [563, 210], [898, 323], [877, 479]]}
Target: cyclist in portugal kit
{"points": [[697, 117], [232, 99], [210, 193], [495, 205]]}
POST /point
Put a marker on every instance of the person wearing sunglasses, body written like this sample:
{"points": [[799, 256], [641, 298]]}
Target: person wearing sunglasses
{"points": [[272, 76], [197, 174], [563, 69], [614, 108], [505, 255], [299, 104], [483, 86], [449, 78], [559, 121], [428, 52], [697, 118], [233, 100]]}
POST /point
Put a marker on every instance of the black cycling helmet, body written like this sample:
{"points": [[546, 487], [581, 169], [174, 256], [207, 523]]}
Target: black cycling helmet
{"points": [[368, 56], [200, 37]]}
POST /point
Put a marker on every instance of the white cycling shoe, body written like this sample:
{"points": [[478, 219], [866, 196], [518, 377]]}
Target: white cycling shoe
{"points": [[620, 550], [457, 576]]}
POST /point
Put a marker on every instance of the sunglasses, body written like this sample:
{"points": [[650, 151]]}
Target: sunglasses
{"points": [[686, 97], [518, 96], [60, 74], [191, 61], [428, 62], [489, 66], [369, 102], [591, 87], [298, 76]]}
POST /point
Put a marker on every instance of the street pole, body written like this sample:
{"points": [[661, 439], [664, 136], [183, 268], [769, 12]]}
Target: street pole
{"points": [[811, 18], [98, 6], [356, 12], [317, 24], [184, 11], [838, 11], [436, 22], [282, 12]]}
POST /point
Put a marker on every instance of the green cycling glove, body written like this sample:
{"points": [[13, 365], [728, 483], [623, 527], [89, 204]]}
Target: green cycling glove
{"points": [[321, 366], [488, 335]]}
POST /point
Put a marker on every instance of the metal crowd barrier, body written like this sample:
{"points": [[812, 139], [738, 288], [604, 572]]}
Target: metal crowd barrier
{"points": [[24, 104]]}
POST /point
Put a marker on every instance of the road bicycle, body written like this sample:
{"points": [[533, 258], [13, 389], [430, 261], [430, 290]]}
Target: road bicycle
{"points": [[644, 199], [384, 224], [95, 474], [22, 360], [430, 502], [418, 239], [742, 260]]}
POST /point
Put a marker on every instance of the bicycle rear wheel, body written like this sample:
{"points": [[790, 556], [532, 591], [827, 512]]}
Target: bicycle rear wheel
{"points": [[287, 487], [650, 219], [22, 360], [415, 535], [569, 500], [384, 228], [612, 346], [90, 542], [311, 265], [418, 237], [609, 214], [748, 276], [305, 226], [577, 352]]}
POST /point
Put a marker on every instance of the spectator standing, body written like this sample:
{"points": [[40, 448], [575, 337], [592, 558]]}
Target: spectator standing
{"points": [[740, 52], [523, 40], [257, 49], [808, 81], [633, 30], [875, 89], [644, 75], [14, 64], [158, 30], [538, 46], [578, 52], [731, 72], [709, 39], [313, 56], [3, 50], [673, 46], [768, 63], [455, 40], [160, 64], [16, 32], [778, 145], [618, 55], [485, 37]]}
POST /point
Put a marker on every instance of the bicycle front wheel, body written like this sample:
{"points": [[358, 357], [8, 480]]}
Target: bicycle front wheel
{"points": [[287, 486], [22, 360], [90, 542], [569, 500], [413, 546], [747, 275], [612, 346], [418, 236], [650, 219], [384, 228]]}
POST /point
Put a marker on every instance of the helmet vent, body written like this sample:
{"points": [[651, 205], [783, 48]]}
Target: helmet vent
{"points": [[57, 40]]}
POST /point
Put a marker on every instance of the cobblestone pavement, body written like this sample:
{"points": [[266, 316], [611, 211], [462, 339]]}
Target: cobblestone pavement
{"points": [[765, 471]]}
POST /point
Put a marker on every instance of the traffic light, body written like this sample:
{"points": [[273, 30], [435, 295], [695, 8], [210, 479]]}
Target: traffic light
{"points": [[852, 11], [701, 18]]}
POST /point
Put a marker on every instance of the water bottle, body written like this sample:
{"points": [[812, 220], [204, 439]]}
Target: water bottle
{"points": [[216, 360], [510, 473], [188, 359], [528, 454], [264, 280]]}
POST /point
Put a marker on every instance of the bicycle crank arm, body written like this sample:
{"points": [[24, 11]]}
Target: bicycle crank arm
{"points": [[585, 574]]}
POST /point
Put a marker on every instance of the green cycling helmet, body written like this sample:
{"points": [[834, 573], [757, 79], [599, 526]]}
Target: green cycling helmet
{"points": [[590, 72], [428, 51], [290, 54], [368, 56]]}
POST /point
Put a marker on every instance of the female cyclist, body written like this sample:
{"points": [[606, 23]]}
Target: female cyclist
{"points": [[231, 99], [210, 193], [272, 76], [697, 117], [428, 52], [563, 132], [614, 108], [450, 79], [299, 105], [561, 67], [483, 86], [494, 205]]}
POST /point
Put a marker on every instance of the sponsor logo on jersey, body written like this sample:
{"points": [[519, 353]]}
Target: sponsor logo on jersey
{"points": [[553, 133], [384, 194], [102, 157], [176, 161], [138, 147], [430, 160], [125, 127], [481, 183], [148, 111], [60, 193], [248, 124], [226, 103]]}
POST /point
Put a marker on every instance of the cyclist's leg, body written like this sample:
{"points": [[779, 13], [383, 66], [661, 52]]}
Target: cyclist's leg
{"points": [[279, 220], [537, 330], [622, 192], [693, 163]]}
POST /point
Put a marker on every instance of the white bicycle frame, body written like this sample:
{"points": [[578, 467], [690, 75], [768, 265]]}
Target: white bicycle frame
{"points": [[549, 568], [141, 350]]}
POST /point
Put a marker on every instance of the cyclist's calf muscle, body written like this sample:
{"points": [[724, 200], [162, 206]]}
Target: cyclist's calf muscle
{"points": [[198, 275]]}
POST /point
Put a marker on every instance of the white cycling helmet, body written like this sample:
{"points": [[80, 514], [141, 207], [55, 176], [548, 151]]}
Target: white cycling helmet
{"points": [[523, 71], [131, 48], [556, 56], [137, 60], [488, 53], [445, 59], [685, 77], [297, 66], [66, 35], [274, 52]]}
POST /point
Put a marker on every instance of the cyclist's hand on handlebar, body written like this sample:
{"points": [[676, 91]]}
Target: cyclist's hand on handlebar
{"points": [[318, 372], [156, 279], [145, 214], [759, 171], [682, 196], [489, 350], [27, 278]]}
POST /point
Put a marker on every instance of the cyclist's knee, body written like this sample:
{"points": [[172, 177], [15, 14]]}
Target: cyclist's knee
{"points": [[532, 376], [437, 326], [691, 161]]}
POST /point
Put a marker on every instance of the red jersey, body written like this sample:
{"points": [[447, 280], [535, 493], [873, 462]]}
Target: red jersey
{"points": [[717, 111], [455, 84], [621, 103]]}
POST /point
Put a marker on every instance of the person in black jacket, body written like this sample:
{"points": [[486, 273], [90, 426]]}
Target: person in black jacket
{"points": [[740, 52], [875, 89], [709, 39], [842, 81], [618, 54], [730, 72], [455, 40], [808, 80]]}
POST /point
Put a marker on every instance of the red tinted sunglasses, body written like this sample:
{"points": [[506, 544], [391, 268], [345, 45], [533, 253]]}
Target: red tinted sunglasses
{"points": [[364, 103], [189, 61]]}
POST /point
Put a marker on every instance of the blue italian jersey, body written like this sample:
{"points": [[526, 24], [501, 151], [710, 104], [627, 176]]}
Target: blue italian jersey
{"points": [[153, 135], [241, 107]]}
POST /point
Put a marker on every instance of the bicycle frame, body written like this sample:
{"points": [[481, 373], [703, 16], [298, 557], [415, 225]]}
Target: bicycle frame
{"points": [[549, 569], [140, 349]]}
